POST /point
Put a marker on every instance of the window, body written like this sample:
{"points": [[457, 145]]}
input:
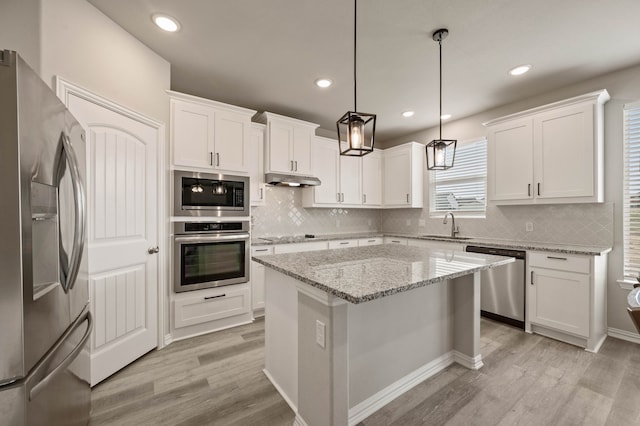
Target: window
{"points": [[462, 188], [631, 201]]}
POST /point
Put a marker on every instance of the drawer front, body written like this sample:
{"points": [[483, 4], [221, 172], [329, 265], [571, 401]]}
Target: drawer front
{"points": [[396, 240], [223, 303], [370, 241], [261, 250], [343, 244], [561, 262]]}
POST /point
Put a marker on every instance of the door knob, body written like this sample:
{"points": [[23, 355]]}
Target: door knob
{"points": [[153, 250]]}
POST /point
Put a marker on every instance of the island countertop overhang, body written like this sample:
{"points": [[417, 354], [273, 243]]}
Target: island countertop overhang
{"points": [[361, 274]]}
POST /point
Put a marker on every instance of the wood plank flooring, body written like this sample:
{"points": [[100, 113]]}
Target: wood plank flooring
{"points": [[217, 379]]}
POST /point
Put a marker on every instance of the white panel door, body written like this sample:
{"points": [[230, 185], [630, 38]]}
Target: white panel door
{"points": [[510, 161], [564, 146], [123, 207]]}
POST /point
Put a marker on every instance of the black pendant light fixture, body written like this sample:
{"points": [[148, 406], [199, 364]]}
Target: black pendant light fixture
{"points": [[441, 152], [356, 130]]}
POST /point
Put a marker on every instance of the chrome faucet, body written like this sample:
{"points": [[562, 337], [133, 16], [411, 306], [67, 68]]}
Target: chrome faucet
{"points": [[454, 228]]}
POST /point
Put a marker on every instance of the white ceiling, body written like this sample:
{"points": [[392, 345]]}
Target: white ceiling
{"points": [[266, 54]]}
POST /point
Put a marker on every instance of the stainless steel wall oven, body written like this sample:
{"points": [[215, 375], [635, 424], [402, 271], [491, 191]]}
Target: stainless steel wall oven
{"points": [[210, 254], [208, 194]]}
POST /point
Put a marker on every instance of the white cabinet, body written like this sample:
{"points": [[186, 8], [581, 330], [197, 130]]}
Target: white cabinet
{"points": [[566, 298], [217, 308], [372, 179], [209, 135], [550, 154], [363, 242], [288, 144], [341, 177], [256, 164], [257, 279], [404, 175]]}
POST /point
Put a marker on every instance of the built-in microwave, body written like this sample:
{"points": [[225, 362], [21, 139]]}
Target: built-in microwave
{"points": [[209, 194]]}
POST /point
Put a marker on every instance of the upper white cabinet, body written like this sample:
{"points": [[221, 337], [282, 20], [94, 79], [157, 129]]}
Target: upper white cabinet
{"points": [[256, 164], [550, 154], [209, 135], [288, 144], [372, 179], [404, 175], [341, 177]]}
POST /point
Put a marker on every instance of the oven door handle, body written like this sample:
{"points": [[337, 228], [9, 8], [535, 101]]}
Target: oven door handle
{"points": [[210, 237]]}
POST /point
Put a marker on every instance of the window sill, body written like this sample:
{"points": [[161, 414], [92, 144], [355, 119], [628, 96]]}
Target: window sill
{"points": [[626, 284], [466, 215]]}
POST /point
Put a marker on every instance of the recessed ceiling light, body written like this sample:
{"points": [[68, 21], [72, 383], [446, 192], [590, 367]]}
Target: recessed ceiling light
{"points": [[445, 116], [520, 69], [408, 113], [165, 22], [323, 82]]}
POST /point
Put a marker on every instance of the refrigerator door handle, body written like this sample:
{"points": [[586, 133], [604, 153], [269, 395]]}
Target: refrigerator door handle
{"points": [[39, 387], [79, 199]]}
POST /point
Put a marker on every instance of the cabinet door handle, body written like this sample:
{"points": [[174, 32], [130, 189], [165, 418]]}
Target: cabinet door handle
{"points": [[556, 258], [262, 193], [364, 198], [344, 242], [407, 198], [296, 164], [218, 159], [342, 196], [211, 158], [531, 277], [291, 165], [528, 190], [214, 297], [338, 196], [538, 188]]}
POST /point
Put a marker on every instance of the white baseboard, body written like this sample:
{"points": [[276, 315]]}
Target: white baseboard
{"points": [[474, 363], [394, 390], [284, 396], [168, 338], [629, 336]]}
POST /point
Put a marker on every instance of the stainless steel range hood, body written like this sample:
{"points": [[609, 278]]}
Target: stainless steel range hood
{"points": [[290, 180]]}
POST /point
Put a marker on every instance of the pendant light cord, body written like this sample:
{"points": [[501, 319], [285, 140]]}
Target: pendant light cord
{"points": [[440, 45], [355, 84]]}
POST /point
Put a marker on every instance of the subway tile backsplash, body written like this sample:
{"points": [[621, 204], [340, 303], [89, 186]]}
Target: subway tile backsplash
{"points": [[579, 224]]}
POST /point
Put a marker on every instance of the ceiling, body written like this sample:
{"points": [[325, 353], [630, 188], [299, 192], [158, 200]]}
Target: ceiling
{"points": [[266, 54]]}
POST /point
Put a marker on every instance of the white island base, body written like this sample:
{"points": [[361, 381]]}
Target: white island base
{"points": [[336, 362]]}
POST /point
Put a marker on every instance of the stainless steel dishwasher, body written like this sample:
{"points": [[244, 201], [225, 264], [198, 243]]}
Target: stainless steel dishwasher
{"points": [[502, 289]]}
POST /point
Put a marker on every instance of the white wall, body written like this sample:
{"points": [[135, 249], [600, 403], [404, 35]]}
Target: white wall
{"points": [[20, 29], [623, 86]]}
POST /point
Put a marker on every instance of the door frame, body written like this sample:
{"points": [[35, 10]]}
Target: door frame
{"points": [[65, 89]]}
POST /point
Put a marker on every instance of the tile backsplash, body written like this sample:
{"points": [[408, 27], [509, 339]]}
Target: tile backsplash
{"points": [[579, 224], [283, 215]]}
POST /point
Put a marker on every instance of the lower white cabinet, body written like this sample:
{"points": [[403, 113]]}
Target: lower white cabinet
{"points": [[566, 298], [257, 280], [211, 305]]}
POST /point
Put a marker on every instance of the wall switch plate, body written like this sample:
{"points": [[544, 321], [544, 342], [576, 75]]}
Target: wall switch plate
{"points": [[529, 226], [320, 328], [422, 222]]}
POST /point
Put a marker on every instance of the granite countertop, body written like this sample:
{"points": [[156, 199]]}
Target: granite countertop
{"points": [[360, 274], [489, 242]]}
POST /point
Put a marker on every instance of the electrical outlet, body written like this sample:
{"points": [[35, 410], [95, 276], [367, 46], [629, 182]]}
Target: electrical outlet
{"points": [[320, 327], [422, 222], [529, 226]]}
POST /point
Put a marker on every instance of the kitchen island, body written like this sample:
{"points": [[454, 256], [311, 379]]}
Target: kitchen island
{"points": [[349, 330]]}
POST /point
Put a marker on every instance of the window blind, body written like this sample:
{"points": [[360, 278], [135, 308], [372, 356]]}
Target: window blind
{"points": [[631, 201], [462, 188]]}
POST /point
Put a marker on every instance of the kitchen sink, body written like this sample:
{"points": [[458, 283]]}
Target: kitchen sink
{"points": [[446, 237]]}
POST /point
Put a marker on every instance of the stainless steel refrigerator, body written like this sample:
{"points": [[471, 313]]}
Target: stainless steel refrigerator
{"points": [[44, 312]]}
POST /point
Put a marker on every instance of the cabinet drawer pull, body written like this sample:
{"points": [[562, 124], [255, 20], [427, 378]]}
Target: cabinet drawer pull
{"points": [[538, 188], [531, 277], [371, 241], [556, 258], [344, 242], [528, 190], [395, 241], [262, 250], [214, 297]]}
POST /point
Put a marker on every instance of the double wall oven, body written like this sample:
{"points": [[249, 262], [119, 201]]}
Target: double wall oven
{"points": [[212, 248]]}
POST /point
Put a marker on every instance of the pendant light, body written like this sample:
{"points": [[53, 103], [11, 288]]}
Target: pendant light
{"points": [[441, 152], [356, 130]]}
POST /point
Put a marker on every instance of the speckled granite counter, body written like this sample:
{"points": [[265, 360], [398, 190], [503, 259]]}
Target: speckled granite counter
{"points": [[360, 274], [511, 244]]}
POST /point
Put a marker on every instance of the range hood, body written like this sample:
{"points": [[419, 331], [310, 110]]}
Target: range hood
{"points": [[290, 180]]}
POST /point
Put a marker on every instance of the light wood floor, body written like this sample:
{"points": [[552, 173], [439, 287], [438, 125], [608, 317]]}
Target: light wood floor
{"points": [[527, 380]]}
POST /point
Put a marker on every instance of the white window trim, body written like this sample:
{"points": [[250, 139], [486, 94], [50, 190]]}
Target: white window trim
{"points": [[466, 214], [625, 282]]}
